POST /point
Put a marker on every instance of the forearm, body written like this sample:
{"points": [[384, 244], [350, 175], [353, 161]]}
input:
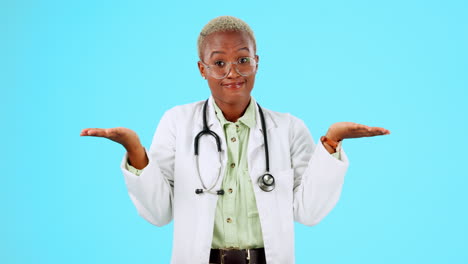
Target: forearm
{"points": [[137, 157]]}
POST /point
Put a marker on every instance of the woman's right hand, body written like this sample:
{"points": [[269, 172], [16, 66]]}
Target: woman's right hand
{"points": [[127, 138]]}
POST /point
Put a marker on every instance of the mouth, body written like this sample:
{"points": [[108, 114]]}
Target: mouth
{"points": [[233, 85]]}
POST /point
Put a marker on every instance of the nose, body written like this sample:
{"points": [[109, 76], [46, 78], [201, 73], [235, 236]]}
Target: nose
{"points": [[232, 72]]}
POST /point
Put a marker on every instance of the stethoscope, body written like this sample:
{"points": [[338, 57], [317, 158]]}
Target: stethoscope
{"points": [[266, 182]]}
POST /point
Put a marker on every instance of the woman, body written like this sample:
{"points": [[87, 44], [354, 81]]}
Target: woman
{"points": [[235, 200]]}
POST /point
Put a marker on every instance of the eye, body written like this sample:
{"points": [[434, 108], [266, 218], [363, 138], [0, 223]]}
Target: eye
{"points": [[244, 60], [219, 63]]}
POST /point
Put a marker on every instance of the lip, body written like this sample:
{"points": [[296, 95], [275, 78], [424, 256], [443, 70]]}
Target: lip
{"points": [[233, 85]]}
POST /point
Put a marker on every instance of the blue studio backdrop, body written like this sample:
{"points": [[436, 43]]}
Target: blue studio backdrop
{"points": [[68, 65]]}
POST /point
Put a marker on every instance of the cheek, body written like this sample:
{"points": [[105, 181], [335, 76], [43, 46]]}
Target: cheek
{"points": [[251, 81], [214, 85]]}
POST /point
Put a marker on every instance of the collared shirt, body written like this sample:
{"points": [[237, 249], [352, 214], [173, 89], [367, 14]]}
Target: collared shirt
{"points": [[237, 224]]}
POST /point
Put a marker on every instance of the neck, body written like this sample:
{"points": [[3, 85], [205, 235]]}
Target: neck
{"points": [[232, 112]]}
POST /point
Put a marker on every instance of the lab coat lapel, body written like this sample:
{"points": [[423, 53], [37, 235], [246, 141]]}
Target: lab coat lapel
{"points": [[214, 124], [255, 151]]}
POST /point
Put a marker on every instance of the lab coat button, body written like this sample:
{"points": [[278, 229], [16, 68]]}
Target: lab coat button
{"points": [[229, 220], [233, 139], [230, 190], [233, 165]]}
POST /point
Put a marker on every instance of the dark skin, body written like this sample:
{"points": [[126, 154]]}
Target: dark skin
{"points": [[231, 94]]}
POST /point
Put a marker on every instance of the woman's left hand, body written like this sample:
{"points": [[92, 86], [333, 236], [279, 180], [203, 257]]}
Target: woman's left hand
{"points": [[341, 130]]}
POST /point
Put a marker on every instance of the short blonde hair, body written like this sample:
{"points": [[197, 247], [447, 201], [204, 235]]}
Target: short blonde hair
{"points": [[222, 24]]}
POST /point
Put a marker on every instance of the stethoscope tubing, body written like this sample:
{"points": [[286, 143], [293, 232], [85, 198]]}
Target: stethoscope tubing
{"points": [[266, 182], [267, 156]]}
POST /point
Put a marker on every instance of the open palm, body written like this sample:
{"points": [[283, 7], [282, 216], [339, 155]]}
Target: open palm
{"points": [[341, 130]]}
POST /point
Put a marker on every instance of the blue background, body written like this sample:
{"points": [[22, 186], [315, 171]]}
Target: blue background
{"points": [[68, 65]]}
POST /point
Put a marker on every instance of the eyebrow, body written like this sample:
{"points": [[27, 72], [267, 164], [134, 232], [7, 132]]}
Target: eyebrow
{"points": [[222, 52]]}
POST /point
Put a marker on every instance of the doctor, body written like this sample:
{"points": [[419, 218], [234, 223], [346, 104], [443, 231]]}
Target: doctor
{"points": [[223, 207]]}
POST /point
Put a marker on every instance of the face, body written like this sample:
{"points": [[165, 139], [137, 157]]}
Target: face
{"points": [[230, 46]]}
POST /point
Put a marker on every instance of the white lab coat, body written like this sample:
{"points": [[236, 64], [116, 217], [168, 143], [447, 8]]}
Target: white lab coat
{"points": [[308, 181]]}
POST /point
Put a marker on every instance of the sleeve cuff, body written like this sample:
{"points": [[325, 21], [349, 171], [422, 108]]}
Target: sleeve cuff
{"points": [[337, 154], [132, 169]]}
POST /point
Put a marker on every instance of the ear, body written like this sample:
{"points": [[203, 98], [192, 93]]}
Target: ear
{"points": [[258, 59], [202, 69]]}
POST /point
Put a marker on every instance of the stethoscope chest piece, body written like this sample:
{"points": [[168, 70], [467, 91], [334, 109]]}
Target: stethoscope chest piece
{"points": [[266, 182]]}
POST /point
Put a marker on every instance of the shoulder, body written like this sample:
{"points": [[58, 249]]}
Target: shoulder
{"points": [[180, 115], [280, 118], [288, 124], [185, 110]]}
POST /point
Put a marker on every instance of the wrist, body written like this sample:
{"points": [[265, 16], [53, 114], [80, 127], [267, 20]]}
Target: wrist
{"points": [[332, 136], [329, 144], [137, 157], [135, 150]]}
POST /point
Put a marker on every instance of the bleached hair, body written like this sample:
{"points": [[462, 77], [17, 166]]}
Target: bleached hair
{"points": [[222, 24]]}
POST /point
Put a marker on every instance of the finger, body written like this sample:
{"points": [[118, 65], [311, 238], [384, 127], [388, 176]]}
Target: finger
{"points": [[84, 132], [380, 130], [376, 131], [96, 132], [359, 130], [358, 127]]}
